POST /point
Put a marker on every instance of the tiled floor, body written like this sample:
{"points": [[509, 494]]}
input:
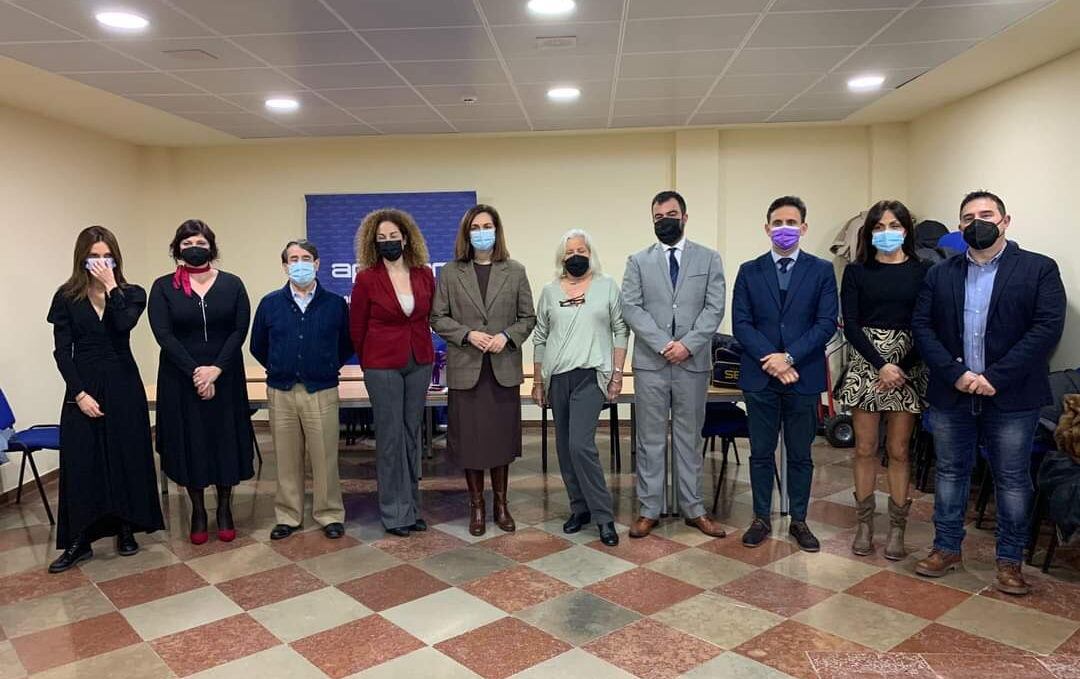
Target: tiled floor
{"points": [[532, 604]]}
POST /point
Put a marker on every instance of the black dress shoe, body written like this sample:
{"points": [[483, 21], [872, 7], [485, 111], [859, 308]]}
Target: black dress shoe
{"points": [[576, 522], [756, 533], [801, 532], [72, 556], [419, 527], [401, 532], [607, 533], [125, 542], [282, 531], [334, 530]]}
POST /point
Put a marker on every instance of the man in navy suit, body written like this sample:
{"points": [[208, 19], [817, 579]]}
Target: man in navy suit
{"points": [[986, 323], [783, 313]]}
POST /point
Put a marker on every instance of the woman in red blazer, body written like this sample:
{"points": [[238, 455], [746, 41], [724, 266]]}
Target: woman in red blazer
{"points": [[391, 300]]}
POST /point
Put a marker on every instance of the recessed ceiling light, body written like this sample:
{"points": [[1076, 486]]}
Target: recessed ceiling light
{"points": [[122, 20], [282, 104], [551, 6], [563, 93], [864, 83]]}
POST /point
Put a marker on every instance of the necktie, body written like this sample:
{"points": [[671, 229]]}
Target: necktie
{"points": [[673, 269], [785, 262]]}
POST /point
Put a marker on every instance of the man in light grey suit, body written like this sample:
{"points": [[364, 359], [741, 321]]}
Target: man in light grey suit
{"points": [[673, 299]]}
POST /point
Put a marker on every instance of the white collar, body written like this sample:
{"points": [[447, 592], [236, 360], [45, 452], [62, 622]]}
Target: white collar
{"points": [[680, 246], [301, 295], [794, 256]]}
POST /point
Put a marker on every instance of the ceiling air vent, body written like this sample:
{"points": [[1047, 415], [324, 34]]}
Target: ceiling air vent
{"points": [[190, 55], [556, 42]]}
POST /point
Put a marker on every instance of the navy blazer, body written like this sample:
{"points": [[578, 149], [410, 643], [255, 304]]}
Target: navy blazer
{"points": [[1025, 321], [806, 322]]}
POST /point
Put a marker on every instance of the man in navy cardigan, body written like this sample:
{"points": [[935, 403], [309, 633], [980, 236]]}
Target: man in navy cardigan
{"points": [[783, 313], [986, 323], [301, 336]]}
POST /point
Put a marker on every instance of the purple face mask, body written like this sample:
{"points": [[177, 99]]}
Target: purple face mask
{"points": [[785, 237]]}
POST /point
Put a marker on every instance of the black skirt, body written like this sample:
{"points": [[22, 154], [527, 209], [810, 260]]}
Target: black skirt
{"points": [[484, 423]]}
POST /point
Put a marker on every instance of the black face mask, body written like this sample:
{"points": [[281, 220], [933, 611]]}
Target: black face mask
{"points": [[981, 234], [390, 250], [576, 265], [668, 230], [196, 255]]}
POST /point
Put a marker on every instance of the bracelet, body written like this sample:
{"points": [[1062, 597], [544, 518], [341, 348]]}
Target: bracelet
{"points": [[81, 396], [617, 371]]}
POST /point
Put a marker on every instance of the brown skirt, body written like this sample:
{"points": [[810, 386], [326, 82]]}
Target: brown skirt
{"points": [[484, 423]]}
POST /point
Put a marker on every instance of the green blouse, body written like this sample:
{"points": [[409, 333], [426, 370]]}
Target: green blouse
{"points": [[582, 336]]}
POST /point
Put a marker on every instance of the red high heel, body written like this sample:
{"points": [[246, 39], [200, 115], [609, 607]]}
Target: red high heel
{"points": [[199, 538], [226, 535]]}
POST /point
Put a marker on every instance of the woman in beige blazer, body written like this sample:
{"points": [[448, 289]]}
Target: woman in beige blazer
{"points": [[483, 308]]}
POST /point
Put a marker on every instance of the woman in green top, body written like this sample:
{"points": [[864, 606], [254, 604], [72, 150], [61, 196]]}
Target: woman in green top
{"points": [[579, 350]]}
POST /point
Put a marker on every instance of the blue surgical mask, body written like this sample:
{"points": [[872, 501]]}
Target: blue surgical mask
{"points": [[302, 273], [109, 262], [888, 241], [482, 239]]}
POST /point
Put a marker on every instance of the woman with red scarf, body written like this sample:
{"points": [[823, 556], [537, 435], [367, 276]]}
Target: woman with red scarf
{"points": [[199, 316]]}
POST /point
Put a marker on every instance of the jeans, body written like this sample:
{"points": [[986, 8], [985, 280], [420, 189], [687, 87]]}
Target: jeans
{"points": [[1006, 438], [767, 411]]}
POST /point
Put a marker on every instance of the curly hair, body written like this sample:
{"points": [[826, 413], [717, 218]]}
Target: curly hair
{"points": [[367, 254]]}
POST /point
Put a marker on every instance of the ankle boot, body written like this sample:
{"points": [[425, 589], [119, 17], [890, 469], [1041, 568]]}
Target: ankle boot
{"points": [[894, 548], [125, 541], [226, 529], [863, 544], [474, 478], [500, 477], [78, 552], [199, 522]]}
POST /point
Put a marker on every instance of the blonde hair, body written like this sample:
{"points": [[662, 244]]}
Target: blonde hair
{"points": [[560, 252], [367, 254]]}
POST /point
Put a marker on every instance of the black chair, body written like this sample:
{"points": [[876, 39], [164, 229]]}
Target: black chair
{"points": [[28, 442], [727, 422]]}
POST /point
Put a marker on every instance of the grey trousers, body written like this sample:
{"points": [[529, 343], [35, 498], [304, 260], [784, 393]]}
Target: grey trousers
{"points": [[576, 402], [397, 402], [680, 393]]}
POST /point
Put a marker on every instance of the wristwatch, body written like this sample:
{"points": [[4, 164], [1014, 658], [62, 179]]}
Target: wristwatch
{"points": [[789, 359]]}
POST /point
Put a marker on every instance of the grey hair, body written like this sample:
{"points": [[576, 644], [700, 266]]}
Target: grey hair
{"points": [[560, 252]]}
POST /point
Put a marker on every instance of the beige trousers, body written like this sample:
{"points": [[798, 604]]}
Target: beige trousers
{"points": [[301, 423]]}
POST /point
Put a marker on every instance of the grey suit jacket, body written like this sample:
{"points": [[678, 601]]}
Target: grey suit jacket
{"points": [[459, 308], [696, 304]]}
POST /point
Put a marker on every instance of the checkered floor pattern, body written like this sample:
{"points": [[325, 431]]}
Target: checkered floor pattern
{"points": [[535, 603]]}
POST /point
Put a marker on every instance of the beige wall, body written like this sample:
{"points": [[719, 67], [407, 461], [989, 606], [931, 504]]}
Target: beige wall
{"points": [[1019, 139], [55, 179]]}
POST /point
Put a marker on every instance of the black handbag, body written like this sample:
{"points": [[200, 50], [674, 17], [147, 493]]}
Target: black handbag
{"points": [[726, 358]]}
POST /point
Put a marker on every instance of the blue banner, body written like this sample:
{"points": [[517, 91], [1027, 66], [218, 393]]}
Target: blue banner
{"points": [[332, 221]]}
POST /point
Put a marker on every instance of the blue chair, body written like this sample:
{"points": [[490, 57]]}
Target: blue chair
{"points": [[28, 442], [727, 422]]}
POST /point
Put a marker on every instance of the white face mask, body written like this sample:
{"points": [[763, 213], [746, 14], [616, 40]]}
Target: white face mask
{"points": [[109, 262]]}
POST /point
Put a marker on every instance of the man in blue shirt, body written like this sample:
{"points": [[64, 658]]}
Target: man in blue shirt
{"points": [[986, 323], [301, 336]]}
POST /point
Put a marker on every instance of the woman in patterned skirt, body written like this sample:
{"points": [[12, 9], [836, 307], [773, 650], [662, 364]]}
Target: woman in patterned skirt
{"points": [[885, 380]]}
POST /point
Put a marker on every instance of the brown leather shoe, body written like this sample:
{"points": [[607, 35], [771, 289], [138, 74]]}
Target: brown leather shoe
{"points": [[477, 521], [938, 563], [643, 526], [1010, 580], [707, 526]]}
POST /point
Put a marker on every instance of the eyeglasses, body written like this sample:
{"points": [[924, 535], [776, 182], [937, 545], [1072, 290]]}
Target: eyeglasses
{"points": [[572, 301]]}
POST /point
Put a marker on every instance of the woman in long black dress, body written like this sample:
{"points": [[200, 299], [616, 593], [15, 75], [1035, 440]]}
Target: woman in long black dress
{"points": [[107, 482], [200, 317]]}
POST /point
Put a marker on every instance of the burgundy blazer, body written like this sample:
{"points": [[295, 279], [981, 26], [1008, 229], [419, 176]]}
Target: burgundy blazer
{"points": [[381, 332]]}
